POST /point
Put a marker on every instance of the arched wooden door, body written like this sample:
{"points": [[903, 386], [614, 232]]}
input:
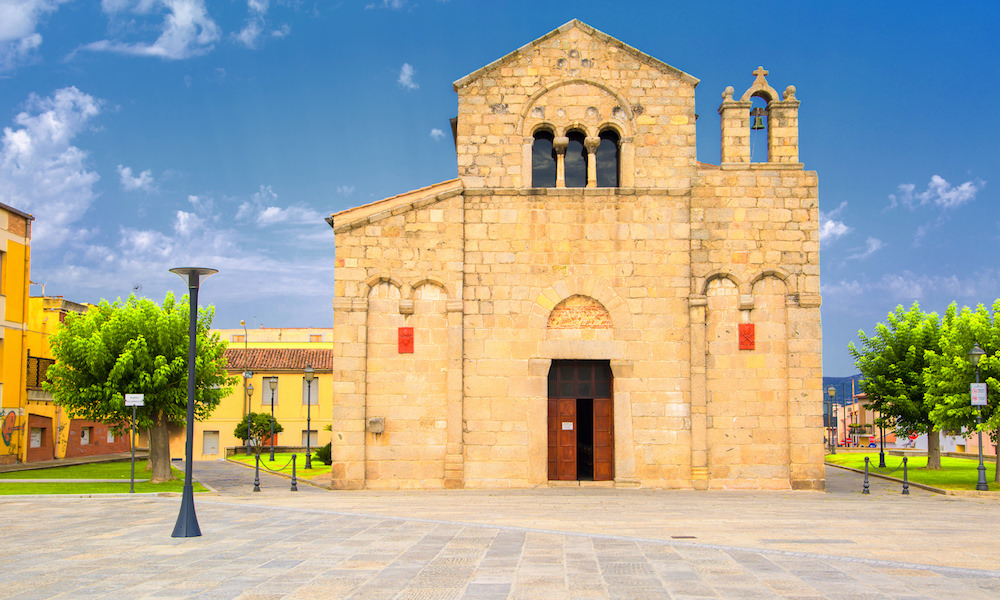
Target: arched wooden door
{"points": [[580, 421]]}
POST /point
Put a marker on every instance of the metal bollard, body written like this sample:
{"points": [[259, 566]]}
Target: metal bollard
{"points": [[865, 490], [906, 483], [256, 473], [295, 486]]}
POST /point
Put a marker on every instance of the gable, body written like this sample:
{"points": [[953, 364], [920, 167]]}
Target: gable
{"points": [[562, 32]]}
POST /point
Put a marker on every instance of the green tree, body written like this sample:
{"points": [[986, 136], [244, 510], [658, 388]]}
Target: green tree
{"points": [[949, 372], [260, 429], [892, 364], [137, 347]]}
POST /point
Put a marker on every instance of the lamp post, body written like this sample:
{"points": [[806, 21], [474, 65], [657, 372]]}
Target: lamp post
{"points": [[974, 355], [881, 441], [309, 375], [249, 412], [187, 520], [832, 392], [273, 384], [247, 387]]}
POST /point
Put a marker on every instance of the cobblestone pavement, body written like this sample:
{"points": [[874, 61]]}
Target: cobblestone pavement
{"points": [[549, 543]]}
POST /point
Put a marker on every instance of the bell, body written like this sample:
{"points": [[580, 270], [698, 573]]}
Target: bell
{"points": [[758, 119]]}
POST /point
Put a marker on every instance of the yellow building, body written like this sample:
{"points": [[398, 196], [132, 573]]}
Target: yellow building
{"points": [[15, 263], [258, 357]]}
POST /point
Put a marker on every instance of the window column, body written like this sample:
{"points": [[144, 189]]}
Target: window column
{"points": [[559, 145], [591, 144]]}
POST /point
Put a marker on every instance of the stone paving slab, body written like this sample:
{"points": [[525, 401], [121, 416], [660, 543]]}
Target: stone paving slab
{"points": [[517, 544]]}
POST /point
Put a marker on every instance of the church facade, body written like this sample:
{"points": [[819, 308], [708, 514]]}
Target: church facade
{"points": [[586, 303]]}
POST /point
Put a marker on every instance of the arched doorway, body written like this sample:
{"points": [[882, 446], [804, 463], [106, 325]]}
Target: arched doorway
{"points": [[580, 421]]}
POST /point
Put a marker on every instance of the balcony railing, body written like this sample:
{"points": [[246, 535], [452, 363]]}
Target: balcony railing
{"points": [[38, 371]]}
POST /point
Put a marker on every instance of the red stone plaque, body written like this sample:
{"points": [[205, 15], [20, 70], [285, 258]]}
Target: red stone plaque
{"points": [[406, 340], [746, 336]]}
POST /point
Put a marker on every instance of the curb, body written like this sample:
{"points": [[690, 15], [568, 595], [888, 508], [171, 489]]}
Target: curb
{"points": [[298, 479], [923, 486]]}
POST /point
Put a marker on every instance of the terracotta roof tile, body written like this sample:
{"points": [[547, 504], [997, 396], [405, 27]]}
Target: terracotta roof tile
{"points": [[279, 359]]}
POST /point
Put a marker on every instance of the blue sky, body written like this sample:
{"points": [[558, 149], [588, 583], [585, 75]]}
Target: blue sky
{"points": [[149, 134]]}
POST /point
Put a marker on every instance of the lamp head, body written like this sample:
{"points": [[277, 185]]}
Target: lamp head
{"points": [[975, 354], [193, 275], [831, 391], [250, 389], [309, 373], [273, 383]]}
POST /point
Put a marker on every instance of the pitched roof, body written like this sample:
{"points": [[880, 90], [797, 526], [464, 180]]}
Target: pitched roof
{"points": [[358, 216], [575, 23], [278, 359]]}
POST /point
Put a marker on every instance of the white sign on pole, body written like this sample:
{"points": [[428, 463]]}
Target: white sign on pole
{"points": [[978, 393], [134, 399]]}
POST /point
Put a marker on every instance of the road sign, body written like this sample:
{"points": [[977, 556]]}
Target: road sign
{"points": [[978, 393], [134, 399]]}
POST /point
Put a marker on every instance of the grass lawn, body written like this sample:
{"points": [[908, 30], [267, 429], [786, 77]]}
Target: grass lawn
{"points": [[955, 473], [283, 464], [107, 470]]}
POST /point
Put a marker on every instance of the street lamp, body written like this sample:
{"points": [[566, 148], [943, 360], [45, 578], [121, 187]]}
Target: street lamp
{"points": [[247, 374], [974, 355], [310, 373], [249, 412], [187, 520], [832, 392], [273, 384]]}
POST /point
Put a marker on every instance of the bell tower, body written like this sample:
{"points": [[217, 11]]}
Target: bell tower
{"points": [[780, 119]]}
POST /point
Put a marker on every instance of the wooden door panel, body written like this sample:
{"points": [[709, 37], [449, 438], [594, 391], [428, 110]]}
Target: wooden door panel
{"points": [[566, 468], [553, 438], [604, 444]]}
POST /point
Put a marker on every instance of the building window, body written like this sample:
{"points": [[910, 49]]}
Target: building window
{"points": [[315, 337], [111, 437], [239, 337], [310, 392], [86, 434], [266, 394], [313, 438], [543, 160], [35, 441], [608, 162], [576, 160]]}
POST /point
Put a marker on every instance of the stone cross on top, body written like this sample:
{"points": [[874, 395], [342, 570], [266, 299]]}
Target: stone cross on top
{"points": [[761, 72]]}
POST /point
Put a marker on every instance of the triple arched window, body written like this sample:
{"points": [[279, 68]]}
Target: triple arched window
{"points": [[575, 160]]}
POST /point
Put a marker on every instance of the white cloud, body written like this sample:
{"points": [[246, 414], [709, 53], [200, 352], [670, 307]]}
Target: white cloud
{"points": [[187, 29], [830, 228], [437, 134], [18, 22], [262, 210], [939, 193], [256, 25], [41, 171], [390, 4], [406, 77], [346, 190], [872, 245], [131, 183]]}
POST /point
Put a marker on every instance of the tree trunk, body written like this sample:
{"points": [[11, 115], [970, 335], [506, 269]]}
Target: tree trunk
{"points": [[159, 452], [933, 448]]}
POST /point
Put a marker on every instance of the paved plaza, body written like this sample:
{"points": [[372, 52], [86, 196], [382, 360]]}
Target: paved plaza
{"points": [[549, 544]]}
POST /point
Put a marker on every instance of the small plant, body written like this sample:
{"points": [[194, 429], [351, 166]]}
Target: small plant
{"points": [[324, 454], [260, 429]]}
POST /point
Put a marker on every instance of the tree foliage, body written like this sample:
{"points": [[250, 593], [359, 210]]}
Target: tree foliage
{"points": [[259, 425], [137, 347], [892, 363], [949, 372]]}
